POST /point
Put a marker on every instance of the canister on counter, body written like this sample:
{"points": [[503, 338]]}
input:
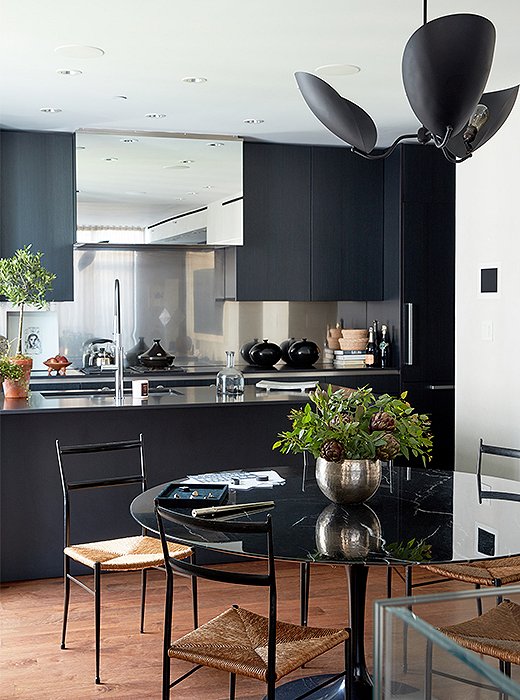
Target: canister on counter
{"points": [[140, 389]]}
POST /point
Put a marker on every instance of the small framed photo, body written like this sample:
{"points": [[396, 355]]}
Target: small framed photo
{"points": [[40, 338]]}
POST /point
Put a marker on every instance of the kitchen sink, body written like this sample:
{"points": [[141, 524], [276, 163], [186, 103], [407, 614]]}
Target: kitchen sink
{"points": [[102, 393]]}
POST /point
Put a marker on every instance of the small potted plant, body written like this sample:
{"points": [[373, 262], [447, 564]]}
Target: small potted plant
{"points": [[349, 432], [24, 281], [13, 377]]}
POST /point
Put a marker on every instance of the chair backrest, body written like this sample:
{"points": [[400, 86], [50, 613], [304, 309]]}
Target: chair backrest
{"points": [[497, 452], [69, 468], [189, 568]]}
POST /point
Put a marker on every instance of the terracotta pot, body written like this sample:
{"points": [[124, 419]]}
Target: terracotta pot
{"points": [[19, 388]]}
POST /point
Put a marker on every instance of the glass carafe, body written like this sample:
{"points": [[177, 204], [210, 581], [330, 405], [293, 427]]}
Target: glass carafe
{"points": [[230, 381]]}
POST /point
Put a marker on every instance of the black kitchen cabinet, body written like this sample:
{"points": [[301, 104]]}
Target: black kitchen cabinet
{"points": [[313, 226], [420, 278], [346, 226], [274, 262], [38, 201]]}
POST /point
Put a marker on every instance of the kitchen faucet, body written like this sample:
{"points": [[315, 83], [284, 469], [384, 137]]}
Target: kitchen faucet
{"points": [[119, 355]]}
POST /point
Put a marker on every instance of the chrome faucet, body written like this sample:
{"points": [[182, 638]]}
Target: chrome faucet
{"points": [[119, 390]]}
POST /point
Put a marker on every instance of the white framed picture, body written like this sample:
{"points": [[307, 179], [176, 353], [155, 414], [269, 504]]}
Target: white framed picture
{"points": [[40, 338]]}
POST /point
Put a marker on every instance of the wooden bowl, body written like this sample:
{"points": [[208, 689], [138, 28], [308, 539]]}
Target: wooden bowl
{"points": [[57, 366]]}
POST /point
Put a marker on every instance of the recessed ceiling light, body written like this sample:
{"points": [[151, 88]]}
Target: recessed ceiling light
{"points": [[191, 193], [120, 97], [110, 160], [176, 167], [215, 144], [129, 140], [80, 148], [155, 115], [338, 69], [68, 71], [187, 161], [79, 51], [253, 121], [50, 110], [195, 80], [208, 187]]}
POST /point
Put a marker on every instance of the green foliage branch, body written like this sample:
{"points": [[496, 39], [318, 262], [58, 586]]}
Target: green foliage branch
{"points": [[358, 425]]}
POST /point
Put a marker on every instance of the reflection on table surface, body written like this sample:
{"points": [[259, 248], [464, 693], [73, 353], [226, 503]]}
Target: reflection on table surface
{"points": [[417, 515]]}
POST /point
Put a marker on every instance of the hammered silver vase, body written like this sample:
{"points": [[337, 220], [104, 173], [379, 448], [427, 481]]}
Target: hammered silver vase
{"points": [[348, 481]]}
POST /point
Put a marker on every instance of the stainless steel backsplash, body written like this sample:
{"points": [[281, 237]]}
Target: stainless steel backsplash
{"points": [[178, 296]]}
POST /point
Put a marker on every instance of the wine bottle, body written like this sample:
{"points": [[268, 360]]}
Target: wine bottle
{"points": [[371, 349], [376, 342], [384, 347]]}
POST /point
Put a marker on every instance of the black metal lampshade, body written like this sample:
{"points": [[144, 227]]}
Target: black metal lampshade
{"points": [[445, 67], [499, 105], [344, 118]]}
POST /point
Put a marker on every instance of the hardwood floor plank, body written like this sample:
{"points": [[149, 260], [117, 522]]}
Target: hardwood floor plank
{"points": [[33, 665]]}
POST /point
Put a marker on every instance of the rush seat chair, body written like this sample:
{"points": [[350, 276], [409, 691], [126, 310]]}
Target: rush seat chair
{"points": [[135, 553], [239, 641]]}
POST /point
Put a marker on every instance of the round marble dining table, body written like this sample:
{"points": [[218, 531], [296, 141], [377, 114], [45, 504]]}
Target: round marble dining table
{"points": [[416, 516]]}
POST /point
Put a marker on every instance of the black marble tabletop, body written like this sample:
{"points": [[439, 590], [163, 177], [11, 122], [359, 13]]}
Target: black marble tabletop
{"points": [[417, 515]]}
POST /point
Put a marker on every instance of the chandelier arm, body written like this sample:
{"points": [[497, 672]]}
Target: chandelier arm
{"points": [[452, 158], [386, 153], [447, 136]]}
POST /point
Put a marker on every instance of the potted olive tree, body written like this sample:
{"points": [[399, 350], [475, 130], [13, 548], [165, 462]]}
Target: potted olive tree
{"points": [[23, 281]]}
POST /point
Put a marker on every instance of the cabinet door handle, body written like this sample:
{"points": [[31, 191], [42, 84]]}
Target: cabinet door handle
{"points": [[440, 387], [409, 341]]}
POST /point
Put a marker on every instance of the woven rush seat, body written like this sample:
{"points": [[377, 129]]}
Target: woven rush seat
{"points": [[236, 641], [484, 573], [125, 553], [495, 633]]}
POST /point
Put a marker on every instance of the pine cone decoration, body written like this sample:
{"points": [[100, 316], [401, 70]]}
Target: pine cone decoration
{"points": [[332, 451], [390, 449], [382, 421]]}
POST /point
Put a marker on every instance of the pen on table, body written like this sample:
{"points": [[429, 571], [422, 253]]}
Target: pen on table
{"points": [[235, 508]]}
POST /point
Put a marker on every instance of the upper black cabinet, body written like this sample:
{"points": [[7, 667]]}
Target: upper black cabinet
{"points": [[37, 201], [313, 225]]}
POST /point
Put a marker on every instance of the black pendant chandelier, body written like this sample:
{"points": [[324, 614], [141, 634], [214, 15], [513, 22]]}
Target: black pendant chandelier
{"points": [[445, 67]]}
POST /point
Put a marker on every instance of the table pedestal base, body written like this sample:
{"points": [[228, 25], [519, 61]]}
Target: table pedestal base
{"points": [[334, 691]]}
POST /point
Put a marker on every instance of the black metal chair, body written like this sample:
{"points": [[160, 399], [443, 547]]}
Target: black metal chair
{"points": [[137, 553], [239, 641]]}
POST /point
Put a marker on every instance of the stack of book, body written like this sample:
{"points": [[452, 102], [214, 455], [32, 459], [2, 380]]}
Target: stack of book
{"points": [[349, 359]]}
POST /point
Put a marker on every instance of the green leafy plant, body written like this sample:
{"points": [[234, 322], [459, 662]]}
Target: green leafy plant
{"points": [[413, 550], [10, 370], [24, 280], [355, 424]]}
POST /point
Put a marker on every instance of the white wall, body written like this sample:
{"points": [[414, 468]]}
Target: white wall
{"points": [[488, 325]]}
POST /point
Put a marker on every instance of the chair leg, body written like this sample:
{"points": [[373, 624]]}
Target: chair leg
{"points": [[271, 691], [348, 668], [305, 573], [428, 671], [408, 592], [232, 685], [144, 573], [479, 601], [66, 598], [389, 572], [194, 596], [167, 635], [97, 609]]}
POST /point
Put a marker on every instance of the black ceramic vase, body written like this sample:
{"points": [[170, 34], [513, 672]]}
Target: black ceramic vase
{"points": [[244, 350], [265, 354], [156, 356], [303, 353]]}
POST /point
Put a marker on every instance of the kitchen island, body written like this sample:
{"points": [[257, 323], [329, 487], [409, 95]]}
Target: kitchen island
{"points": [[186, 432]]}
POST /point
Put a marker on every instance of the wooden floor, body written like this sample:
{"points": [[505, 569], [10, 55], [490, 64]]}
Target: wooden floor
{"points": [[33, 665]]}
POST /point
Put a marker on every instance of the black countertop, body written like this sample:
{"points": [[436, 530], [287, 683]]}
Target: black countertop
{"points": [[183, 397]]}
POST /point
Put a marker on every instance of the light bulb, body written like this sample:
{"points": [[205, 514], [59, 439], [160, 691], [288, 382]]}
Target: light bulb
{"points": [[477, 121]]}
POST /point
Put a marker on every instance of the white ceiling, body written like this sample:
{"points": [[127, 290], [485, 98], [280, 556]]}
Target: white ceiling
{"points": [[247, 51]]}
